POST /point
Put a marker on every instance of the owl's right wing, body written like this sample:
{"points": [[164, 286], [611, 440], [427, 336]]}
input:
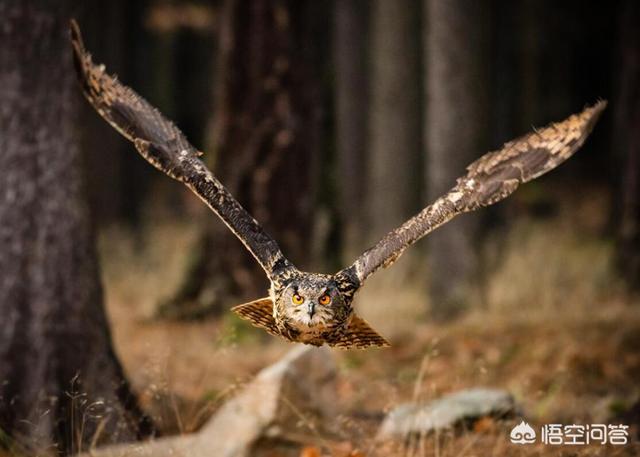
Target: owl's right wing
{"points": [[489, 179], [163, 145]]}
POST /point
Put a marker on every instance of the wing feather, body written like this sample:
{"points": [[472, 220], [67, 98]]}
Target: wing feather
{"points": [[489, 179], [162, 144]]}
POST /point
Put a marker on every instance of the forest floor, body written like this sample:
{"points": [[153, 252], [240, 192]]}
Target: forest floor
{"points": [[553, 326]]}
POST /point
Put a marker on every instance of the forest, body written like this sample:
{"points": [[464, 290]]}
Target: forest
{"points": [[513, 330]]}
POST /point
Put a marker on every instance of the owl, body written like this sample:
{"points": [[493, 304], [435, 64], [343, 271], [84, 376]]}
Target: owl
{"points": [[314, 308]]}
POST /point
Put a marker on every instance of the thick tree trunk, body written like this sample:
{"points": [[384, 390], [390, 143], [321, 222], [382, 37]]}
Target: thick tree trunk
{"points": [[263, 145], [350, 38], [266, 127], [394, 129], [455, 126], [627, 143], [61, 385]]}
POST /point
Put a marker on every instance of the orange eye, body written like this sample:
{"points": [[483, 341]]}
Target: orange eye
{"points": [[297, 299], [325, 299]]}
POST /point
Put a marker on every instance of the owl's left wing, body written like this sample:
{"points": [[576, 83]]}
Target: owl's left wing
{"points": [[489, 179], [163, 145]]}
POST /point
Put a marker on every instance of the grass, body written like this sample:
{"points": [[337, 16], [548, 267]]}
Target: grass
{"points": [[553, 326]]}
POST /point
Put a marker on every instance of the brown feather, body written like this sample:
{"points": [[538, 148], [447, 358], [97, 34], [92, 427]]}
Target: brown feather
{"points": [[259, 313], [360, 335], [163, 145], [488, 180]]}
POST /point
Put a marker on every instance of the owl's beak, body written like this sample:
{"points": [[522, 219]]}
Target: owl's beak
{"points": [[311, 308]]}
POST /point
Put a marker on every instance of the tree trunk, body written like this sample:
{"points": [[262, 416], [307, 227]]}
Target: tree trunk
{"points": [[627, 143], [61, 385], [350, 37], [455, 126], [263, 145], [394, 129]]}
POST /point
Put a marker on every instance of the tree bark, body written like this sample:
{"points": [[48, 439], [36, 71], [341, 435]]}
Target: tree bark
{"points": [[394, 125], [627, 144], [455, 126], [263, 144], [61, 385], [350, 38]]}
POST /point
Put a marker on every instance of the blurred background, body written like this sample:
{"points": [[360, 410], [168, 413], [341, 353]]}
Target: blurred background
{"points": [[332, 122]]}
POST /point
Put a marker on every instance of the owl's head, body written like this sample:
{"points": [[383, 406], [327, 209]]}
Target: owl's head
{"points": [[311, 303], [312, 308]]}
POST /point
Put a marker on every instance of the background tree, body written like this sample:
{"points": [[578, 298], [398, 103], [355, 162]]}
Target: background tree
{"points": [[263, 143], [61, 386], [350, 39], [454, 130], [394, 123], [626, 142]]}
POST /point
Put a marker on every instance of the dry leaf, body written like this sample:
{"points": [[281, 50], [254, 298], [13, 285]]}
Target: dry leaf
{"points": [[310, 451]]}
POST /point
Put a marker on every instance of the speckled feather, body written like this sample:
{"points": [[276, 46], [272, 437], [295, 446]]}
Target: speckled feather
{"points": [[488, 180], [163, 145]]}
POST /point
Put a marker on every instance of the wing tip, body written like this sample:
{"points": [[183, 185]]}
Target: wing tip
{"points": [[74, 30], [75, 35], [81, 59], [592, 113], [599, 105]]}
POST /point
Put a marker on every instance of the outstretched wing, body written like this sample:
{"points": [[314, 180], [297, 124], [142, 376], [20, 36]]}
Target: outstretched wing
{"points": [[488, 180], [162, 144]]}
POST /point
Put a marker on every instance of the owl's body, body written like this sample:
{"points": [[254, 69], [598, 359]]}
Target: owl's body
{"points": [[314, 308], [321, 314]]}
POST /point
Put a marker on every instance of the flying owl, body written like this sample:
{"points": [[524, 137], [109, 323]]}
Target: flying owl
{"points": [[314, 308]]}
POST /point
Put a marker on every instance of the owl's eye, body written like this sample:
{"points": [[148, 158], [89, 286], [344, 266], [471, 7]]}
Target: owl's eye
{"points": [[297, 299], [325, 299]]}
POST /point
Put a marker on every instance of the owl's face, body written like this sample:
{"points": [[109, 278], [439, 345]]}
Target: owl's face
{"points": [[311, 304]]}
